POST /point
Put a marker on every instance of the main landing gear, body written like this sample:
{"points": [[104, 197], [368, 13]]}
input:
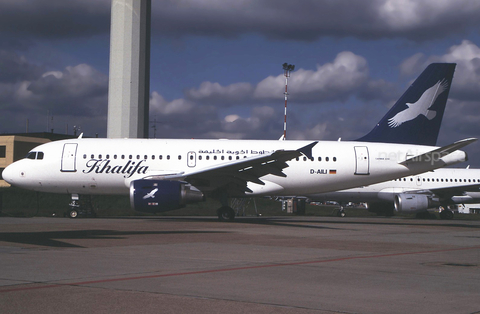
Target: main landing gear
{"points": [[446, 213], [225, 213]]}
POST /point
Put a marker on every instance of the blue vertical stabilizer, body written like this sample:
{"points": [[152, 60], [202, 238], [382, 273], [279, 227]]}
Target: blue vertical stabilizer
{"points": [[416, 117]]}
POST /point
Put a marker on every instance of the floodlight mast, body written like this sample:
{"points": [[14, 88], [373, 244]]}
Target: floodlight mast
{"points": [[287, 68]]}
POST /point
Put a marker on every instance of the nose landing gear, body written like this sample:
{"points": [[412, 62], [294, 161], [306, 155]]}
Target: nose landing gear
{"points": [[82, 208]]}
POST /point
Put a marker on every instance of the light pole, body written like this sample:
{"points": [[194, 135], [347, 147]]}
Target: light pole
{"points": [[287, 68]]}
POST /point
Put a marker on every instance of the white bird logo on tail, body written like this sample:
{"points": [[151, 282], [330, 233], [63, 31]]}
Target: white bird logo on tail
{"points": [[151, 194], [421, 106]]}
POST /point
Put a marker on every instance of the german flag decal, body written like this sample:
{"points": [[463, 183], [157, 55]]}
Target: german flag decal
{"points": [[332, 172]]}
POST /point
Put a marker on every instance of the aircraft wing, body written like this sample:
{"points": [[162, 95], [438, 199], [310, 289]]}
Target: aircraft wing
{"points": [[438, 153], [233, 176], [456, 191]]}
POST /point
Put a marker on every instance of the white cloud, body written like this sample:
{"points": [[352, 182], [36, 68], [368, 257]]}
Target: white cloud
{"points": [[56, 74], [231, 118], [158, 105], [216, 93], [331, 81], [466, 82]]}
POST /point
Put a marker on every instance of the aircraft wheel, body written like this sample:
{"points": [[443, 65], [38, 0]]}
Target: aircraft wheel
{"points": [[341, 213], [225, 213], [73, 213], [446, 214]]}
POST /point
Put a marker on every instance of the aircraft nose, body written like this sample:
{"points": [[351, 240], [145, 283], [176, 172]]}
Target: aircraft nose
{"points": [[12, 173]]}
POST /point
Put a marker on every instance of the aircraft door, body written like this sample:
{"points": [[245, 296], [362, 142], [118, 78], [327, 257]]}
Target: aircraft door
{"points": [[362, 162], [191, 159], [68, 157]]}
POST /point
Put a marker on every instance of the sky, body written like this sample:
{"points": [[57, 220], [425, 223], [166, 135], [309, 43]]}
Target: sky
{"points": [[216, 66]]}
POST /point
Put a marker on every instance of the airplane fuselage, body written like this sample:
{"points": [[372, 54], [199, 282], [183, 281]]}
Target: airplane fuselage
{"points": [[108, 166], [464, 184]]}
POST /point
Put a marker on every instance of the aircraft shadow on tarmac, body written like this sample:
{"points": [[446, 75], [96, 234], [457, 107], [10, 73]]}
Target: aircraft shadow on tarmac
{"points": [[54, 238], [320, 223]]}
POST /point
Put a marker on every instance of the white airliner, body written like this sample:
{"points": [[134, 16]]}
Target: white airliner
{"points": [[166, 174], [413, 194]]}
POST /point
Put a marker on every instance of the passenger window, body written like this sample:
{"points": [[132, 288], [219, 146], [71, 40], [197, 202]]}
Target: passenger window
{"points": [[334, 158], [153, 157], [138, 156], [84, 156], [92, 156], [304, 158], [130, 156], [123, 156], [114, 156], [100, 156], [319, 158], [327, 159], [168, 157], [108, 156], [180, 157], [200, 157]]}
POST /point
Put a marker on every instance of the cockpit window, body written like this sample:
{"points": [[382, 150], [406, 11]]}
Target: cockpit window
{"points": [[34, 155]]}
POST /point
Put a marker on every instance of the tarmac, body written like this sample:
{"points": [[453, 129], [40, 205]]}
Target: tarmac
{"points": [[252, 265]]}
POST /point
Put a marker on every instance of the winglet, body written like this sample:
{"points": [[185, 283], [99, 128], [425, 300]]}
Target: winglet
{"points": [[307, 150]]}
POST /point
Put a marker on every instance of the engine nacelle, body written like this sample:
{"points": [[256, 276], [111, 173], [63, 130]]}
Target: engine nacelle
{"points": [[162, 195], [412, 203]]}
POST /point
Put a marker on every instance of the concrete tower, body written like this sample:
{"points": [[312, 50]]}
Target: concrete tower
{"points": [[129, 77]]}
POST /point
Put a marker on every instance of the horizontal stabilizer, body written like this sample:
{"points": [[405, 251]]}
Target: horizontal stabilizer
{"points": [[439, 152]]}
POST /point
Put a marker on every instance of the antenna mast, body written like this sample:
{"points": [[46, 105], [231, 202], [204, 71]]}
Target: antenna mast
{"points": [[287, 68]]}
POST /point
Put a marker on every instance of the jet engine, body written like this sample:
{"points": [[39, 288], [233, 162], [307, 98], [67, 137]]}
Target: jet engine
{"points": [[154, 196], [412, 203]]}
